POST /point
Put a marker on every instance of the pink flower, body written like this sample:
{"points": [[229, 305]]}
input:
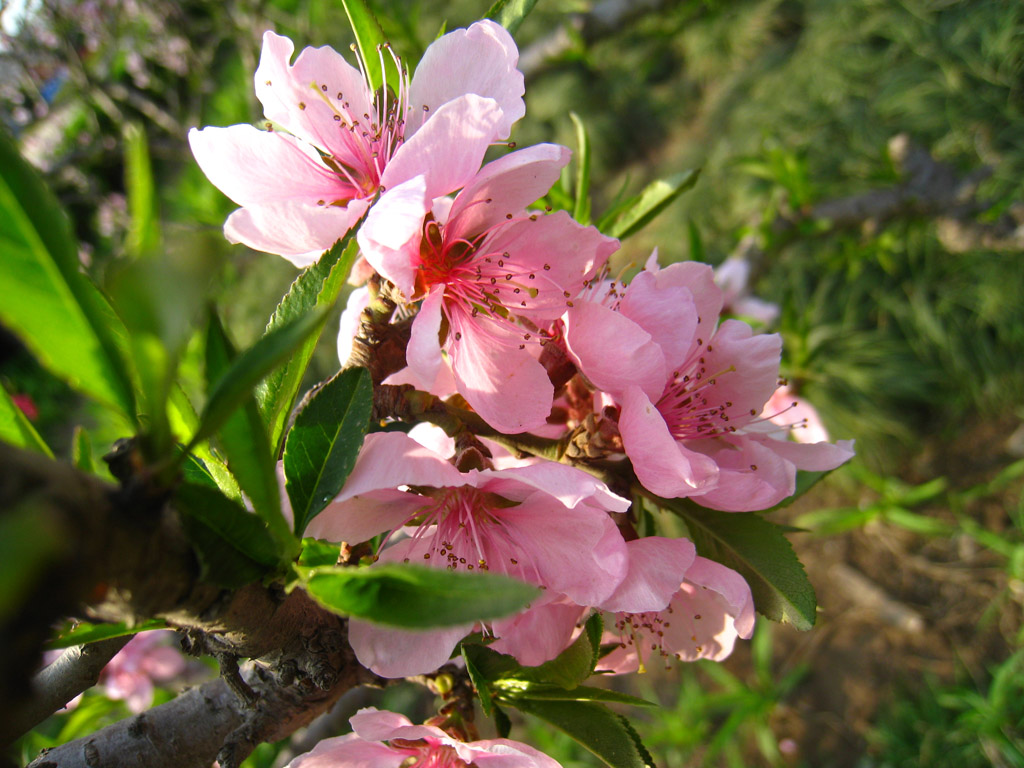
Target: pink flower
{"points": [[712, 607], [145, 660], [545, 523], [795, 413], [490, 275], [690, 393], [732, 276], [389, 740], [301, 192]]}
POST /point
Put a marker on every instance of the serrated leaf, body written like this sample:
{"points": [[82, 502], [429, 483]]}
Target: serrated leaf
{"points": [[234, 546], [414, 597], [655, 197], [480, 683], [510, 13], [252, 365], [317, 286], [570, 668], [60, 315], [509, 690], [183, 422], [323, 443], [243, 439], [606, 734], [758, 551], [16, 429], [84, 633], [581, 207]]}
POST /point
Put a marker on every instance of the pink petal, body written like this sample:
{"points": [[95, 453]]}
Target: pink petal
{"points": [[663, 465], [505, 753], [577, 552], [813, 457], [539, 633], [293, 97], [656, 568], [390, 236], [507, 185], [374, 724], [714, 605], [666, 312], [357, 301], [360, 518], [349, 750], [296, 231], [707, 297], [401, 653], [255, 167], [570, 486], [480, 60], [752, 475], [449, 148], [505, 385], [535, 243], [423, 353], [745, 367], [613, 351], [390, 459]]}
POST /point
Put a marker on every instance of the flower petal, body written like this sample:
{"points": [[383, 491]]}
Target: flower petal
{"points": [[296, 231], [656, 569], [613, 351], [360, 518], [539, 633], [481, 60], [752, 475], [667, 312], [507, 185], [505, 385], [349, 750], [401, 653], [390, 236], [448, 150], [255, 167], [713, 607], [662, 464]]}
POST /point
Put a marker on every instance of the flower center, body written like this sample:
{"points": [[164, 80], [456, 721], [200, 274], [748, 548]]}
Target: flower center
{"points": [[432, 756], [688, 404]]}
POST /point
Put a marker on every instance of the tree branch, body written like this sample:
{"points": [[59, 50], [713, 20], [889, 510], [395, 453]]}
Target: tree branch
{"points": [[77, 669]]}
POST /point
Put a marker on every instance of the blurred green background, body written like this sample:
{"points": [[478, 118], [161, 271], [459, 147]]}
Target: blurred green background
{"points": [[865, 156]]}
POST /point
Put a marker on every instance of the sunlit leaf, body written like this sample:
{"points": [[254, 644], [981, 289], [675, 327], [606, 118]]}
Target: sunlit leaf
{"points": [[414, 597], [16, 429], [510, 13], [59, 314], [641, 210], [83, 632], [143, 237], [369, 37], [318, 286], [581, 207]]}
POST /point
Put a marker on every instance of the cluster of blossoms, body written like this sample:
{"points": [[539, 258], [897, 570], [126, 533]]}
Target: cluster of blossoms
{"points": [[514, 312]]}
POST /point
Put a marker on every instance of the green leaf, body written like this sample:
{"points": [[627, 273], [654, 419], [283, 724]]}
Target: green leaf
{"points": [[369, 36], [318, 286], [656, 196], [805, 480], [143, 206], [323, 443], [59, 314], [184, 422], [510, 13], [512, 690], [249, 368], [480, 683], [243, 439], [81, 451], [581, 207], [696, 242], [316, 552], [234, 546], [83, 632], [570, 668], [414, 597], [603, 732], [757, 549], [16, 429]]}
